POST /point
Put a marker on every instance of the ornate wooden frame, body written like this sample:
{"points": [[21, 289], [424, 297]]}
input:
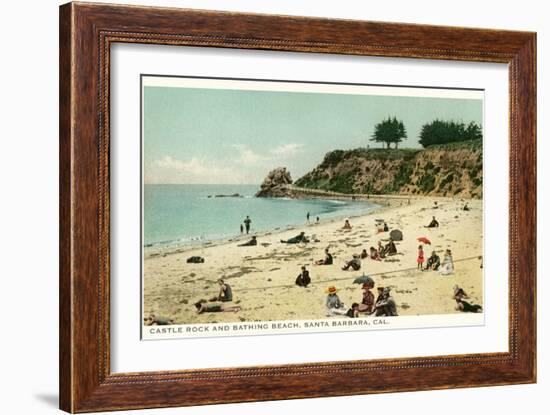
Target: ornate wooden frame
{"points": [[86, 33]]}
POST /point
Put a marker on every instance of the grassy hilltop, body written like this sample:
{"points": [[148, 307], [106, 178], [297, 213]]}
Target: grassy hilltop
{"points": [[454, 169]]}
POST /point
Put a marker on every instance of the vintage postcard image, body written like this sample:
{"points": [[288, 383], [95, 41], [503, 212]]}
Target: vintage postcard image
{"points": [[274, 207]]}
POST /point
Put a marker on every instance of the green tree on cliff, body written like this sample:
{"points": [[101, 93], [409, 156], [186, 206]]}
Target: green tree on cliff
{"points": [[389, 131], [444, 132]]}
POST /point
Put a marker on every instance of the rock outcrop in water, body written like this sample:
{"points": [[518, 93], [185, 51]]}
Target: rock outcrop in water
{"points": [[276, 184]]}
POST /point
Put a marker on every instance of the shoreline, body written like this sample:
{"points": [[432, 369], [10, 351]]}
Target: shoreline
{"points": [[171, 248], [383, 203], [262, 276]]}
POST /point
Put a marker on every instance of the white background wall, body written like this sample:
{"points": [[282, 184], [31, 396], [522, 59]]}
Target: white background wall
{"points": [[29, 193]]}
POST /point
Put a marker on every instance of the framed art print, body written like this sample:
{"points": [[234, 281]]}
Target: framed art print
{"points": [[271, 207]]}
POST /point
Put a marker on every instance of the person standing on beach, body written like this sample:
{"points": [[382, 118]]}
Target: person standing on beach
{"points": [[307, 217], [242, 229], [247, 223], [420, 259]]}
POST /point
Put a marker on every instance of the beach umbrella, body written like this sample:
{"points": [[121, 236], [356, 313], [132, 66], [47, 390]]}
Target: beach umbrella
{"points": [[363, 279], [423, 239], [396, 235]]}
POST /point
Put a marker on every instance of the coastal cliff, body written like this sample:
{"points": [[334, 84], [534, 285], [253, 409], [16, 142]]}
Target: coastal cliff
{"points": [[440, 170]]}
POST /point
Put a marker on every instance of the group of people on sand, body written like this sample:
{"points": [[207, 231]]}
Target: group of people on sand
{"points": [[378, 254], [212, 305], [216, 303], [434, 263], [383, 305], [375, 254]]}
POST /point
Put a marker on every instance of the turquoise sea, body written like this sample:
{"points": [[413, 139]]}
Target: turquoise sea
{"points": [[184, 214]]}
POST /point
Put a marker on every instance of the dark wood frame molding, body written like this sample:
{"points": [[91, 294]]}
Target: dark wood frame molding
{"points": [[86, 33]]}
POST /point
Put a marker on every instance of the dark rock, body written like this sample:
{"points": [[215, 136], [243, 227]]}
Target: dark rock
{"points": [[276, 184]]}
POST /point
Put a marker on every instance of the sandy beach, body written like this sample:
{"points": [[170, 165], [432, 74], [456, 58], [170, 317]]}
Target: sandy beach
{"points": [[262, 277]]}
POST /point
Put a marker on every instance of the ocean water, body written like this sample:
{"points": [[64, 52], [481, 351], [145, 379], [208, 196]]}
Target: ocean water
{"points": [[184, 214]]}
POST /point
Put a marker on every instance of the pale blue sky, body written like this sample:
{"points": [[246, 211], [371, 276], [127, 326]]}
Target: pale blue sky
{"points": [[218, 136]]}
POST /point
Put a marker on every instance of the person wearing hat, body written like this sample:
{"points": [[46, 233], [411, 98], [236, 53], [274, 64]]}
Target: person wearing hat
{"points": [[333, 304], [354, 263], [386, 305], [367, 303], [303, 280]]}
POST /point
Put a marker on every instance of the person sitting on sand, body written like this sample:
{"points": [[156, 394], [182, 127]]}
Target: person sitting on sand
{"points": [[303, 280], [225, 293], [390, 248], [459, 295], [466, 207], [153, 320], [434, 223], [447, 266], [380, 294], [420, 258], [386, 228], [435, 206], [354, 263], [367, 303], [297, 239], [333, 304], [252, 242], [353, 312], [204, 307], [327, 260], [347, 225], [433, 262], [364, 254], [374, 254], [386, 305], [381, 250]]}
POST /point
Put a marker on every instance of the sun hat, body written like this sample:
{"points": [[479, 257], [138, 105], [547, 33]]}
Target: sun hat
{"points": [[332, 289]]}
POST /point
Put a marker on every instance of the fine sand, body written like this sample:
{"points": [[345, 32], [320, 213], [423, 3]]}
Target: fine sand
{"points": [[262, 277]]}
